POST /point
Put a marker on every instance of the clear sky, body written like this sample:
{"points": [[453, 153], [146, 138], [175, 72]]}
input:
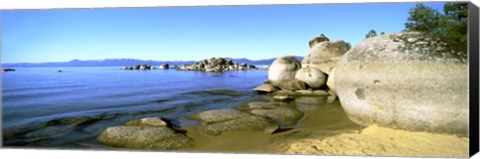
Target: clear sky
{"points": [[189, 33]]}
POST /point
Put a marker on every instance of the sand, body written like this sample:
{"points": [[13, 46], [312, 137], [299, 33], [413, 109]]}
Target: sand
{"points": [[378, 141]]}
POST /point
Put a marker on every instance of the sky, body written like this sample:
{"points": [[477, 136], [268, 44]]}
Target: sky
{"points": [[189, 33]]}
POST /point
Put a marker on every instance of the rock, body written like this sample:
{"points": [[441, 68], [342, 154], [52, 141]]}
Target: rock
{"points": [[260, 105], [6, 69], [150, 121], [320, 93], [312, 76], [265, 88], [216, 65], [292, 84], [138, 67], [331, 98], [310, 93], [330, 80], [144, 137], [282, 97], [165, 66], [325, 55], [215, 122], [218, 115], [287, 116], [247, 123], [318, 39], [283, 68], [407, 80]]}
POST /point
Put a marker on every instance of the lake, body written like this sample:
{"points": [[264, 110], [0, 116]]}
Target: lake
{"points": [[42, 107]]}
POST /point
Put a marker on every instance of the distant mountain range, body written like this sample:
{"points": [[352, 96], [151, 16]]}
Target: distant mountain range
{"points": [[129, 62]]}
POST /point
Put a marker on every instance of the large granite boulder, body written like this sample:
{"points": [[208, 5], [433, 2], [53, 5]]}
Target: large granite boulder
{"points": [[144, 137], [312, 76], [408, 80], [324, 55], [283, 68]]}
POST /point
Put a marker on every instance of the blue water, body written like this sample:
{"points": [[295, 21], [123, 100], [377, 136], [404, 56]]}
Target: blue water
{"points": [[34, 97]]}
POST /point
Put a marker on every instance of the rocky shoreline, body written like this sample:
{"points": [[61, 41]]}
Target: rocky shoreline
{"points": [[213, 64], [404, 83]]}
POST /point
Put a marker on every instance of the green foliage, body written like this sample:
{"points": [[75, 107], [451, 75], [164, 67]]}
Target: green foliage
{"points": [[423, 18], [452, 24], [371, 33], [455, 20]]}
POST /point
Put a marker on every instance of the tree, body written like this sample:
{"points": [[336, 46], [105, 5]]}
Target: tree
{"points": [[452, 24], [382, 33], [371, 33], [455, 21], [423, 18]]}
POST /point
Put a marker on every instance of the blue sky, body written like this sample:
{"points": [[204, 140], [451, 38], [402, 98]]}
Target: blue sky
{"points": [[189, 33]]}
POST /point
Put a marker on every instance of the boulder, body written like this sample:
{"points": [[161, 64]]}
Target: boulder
{"points": [[325, 55], [407, 80], [265, 88], [215, 122], [317, 40], [312, 76], [283, 68], [150, 121], [218, 115], [284, 115], [292, 84], [282, 97], [164, 66], [144, 137], [330, 80]]}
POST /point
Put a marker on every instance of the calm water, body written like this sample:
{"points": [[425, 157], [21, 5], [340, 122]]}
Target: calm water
{"points": [[33, 98], [42, 107]]}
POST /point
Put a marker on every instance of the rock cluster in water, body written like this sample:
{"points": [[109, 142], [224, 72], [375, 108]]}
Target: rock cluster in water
{"points": [[407, 80], [139, 67], [159, 134], [6, 69], [292, 77], [216, 65]]}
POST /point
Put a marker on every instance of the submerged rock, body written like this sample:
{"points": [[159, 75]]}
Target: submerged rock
{"points": [[408, 80], [285, 115], [215, 122], [247, 123], [266, 88], [150, 121], [218, 115], [144, 137]]}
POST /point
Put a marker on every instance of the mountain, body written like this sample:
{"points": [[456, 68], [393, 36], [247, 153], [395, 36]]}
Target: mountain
{"points": [[129, 62]]}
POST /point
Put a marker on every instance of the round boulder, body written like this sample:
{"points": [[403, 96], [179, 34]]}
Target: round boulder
{"points": [[144, 137], [312, 76], [324, 55], [407, 80], [283, 68]]}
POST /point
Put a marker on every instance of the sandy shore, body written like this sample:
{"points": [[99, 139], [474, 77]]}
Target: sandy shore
{"points": [[378, 141]]}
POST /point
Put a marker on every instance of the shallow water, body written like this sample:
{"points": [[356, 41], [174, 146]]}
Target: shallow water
{"points": [[42, 107]]}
